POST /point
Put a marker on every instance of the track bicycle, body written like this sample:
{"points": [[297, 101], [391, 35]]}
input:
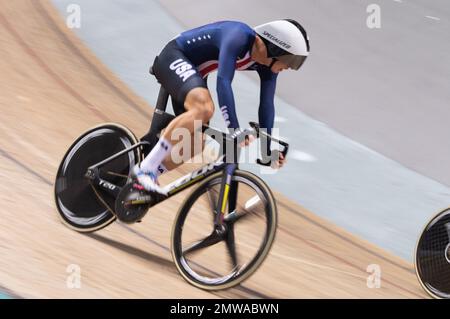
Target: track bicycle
{"points": [[223, 230]]}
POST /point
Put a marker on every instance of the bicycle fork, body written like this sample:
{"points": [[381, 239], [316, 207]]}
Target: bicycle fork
{"points": [[228, 194]]}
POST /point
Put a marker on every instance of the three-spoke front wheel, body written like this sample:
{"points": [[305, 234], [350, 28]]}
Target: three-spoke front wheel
{"points": [[214, 258]]}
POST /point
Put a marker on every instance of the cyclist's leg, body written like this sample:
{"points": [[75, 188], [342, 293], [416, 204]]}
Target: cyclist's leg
{"points": [[196, 143], [184, 151], [189, 88], [198, 107]]}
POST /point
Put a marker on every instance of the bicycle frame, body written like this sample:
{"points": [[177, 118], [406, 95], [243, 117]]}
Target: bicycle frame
{"points": [[228, 190], [224, 164]]}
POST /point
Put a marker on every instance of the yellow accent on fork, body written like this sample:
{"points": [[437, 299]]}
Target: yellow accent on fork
{"points": [[225, 198]]}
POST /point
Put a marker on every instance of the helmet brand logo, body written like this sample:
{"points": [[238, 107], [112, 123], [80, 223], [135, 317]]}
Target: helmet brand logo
{"points": [[278, 41]]}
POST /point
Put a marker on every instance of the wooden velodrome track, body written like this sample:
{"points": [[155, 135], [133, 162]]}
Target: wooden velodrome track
{"points": [[53, 89]]}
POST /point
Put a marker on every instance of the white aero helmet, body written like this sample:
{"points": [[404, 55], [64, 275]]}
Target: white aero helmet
{"points": [[285, 40]]}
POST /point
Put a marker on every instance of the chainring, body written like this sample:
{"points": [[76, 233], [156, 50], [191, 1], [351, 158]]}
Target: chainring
{"points": [[132, 204]]}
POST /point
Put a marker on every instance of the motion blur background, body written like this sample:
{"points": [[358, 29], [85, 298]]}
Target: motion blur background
{"points": [[366, 118]]}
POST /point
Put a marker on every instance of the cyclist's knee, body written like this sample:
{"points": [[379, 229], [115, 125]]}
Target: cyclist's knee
{"points": [[199, 101]]}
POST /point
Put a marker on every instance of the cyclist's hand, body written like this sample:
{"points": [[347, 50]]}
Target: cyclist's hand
{"points": [[281, 161], [247, 141], [245, 136], [277, 164]]}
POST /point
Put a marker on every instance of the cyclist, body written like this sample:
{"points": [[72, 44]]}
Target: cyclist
{"points": [[184, 64]]}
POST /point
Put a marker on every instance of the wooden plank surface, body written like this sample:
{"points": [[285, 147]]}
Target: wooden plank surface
{"points": [[53, 89]]}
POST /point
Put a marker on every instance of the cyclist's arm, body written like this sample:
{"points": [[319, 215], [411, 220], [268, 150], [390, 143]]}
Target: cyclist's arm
{"points": [[266, 112], [232, 43]]}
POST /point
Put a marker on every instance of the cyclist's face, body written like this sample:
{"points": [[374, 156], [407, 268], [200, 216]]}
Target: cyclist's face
{"points": [[279, 66], [259, 54]]}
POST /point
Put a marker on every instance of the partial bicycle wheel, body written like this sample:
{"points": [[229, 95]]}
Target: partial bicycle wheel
{"points": [[432, 257], [81, 206], [215, 259]]}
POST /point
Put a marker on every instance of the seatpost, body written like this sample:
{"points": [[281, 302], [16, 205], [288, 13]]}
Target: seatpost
{"points": [[160, 120], [163, 97]]}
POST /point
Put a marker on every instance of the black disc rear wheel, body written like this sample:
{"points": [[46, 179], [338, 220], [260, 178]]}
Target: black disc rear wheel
{"points": [[432, 258], [80, 205]]}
